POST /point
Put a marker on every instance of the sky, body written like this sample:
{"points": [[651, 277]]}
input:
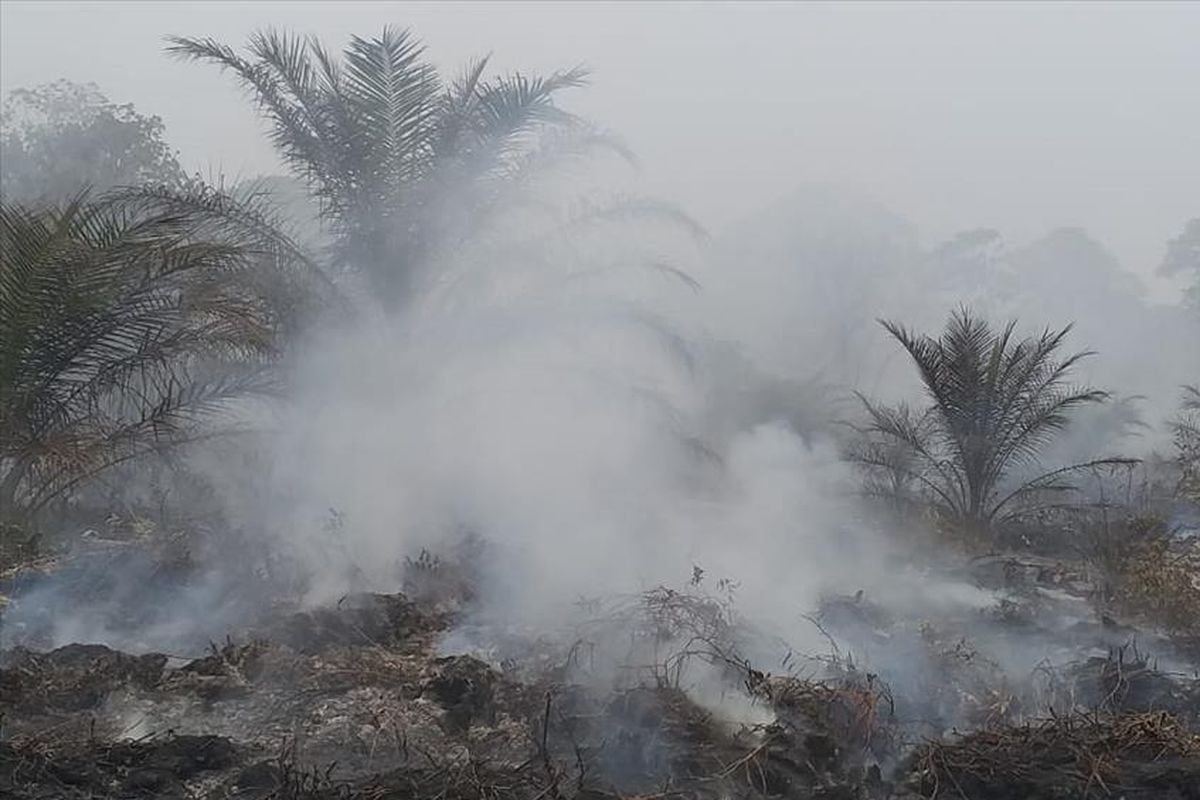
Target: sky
{"points": [[1022, 117]]}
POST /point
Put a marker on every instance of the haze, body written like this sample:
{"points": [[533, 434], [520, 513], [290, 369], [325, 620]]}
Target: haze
{"points": [[757, 401], [1019, 117]]}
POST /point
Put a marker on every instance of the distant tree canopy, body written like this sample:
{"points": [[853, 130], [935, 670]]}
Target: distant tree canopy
{"points": [[61, 138], [1183, 258]]}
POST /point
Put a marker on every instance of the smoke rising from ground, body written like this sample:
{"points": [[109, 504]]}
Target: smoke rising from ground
{"points": [[607, 399], [564, 424]]}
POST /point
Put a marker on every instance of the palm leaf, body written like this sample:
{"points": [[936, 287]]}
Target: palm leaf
{"points": [[996, 401], [125, 319]]}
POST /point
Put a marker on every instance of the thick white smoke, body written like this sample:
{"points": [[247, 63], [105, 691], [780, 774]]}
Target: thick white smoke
{"points": [[569, 425]]}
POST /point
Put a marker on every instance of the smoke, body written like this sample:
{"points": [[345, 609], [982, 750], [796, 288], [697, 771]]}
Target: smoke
{"points": [[611, 404], [590, 425], [568, 423]]}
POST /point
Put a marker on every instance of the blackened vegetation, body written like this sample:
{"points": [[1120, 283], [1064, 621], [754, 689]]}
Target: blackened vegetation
{"points": [[159, 767], [1127, 681], [73, 678], [354, 702], [1147, 755], [361, 619], [463, 686], [651, 741]]}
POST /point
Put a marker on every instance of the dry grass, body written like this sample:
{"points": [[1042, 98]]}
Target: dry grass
{"points": [[1160, 582], [1078, 756]]}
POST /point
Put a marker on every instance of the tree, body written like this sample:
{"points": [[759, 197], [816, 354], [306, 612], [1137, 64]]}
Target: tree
{"points": [[892, 463], [124, 322], [1183, 257], [401, 161], [1185, 428], [970, 268], [996, 401], [63, 137]]}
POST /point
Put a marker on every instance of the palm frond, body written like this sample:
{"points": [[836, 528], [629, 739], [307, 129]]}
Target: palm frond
{"points": [[996, 402], [125, 319]]}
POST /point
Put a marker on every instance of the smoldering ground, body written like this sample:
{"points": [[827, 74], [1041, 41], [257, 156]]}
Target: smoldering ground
{"points": [[568, 411], [568, 502]]}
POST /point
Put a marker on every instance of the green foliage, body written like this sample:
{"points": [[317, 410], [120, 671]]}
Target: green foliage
{"points": [[996, 401], [124, 321], [401, 160], [61, 138]]}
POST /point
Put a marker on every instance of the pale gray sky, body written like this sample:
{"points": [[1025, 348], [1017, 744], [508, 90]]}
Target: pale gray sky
{"points": [[1018, 116]]}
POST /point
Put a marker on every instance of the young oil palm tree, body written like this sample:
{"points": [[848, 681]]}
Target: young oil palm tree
{"points": [[402, 161], [997, 400], [123, 321]]}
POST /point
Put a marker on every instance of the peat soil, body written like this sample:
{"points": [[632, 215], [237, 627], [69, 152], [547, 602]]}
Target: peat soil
{"points": [[361, 699]]}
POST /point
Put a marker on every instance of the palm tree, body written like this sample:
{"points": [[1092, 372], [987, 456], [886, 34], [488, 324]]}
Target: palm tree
{"points": [[892, 464], [401, 161], [996, 401], [124, 320]]}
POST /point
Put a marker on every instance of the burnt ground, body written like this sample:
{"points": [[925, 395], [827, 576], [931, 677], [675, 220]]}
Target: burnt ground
{"points": [[359, 700]]}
